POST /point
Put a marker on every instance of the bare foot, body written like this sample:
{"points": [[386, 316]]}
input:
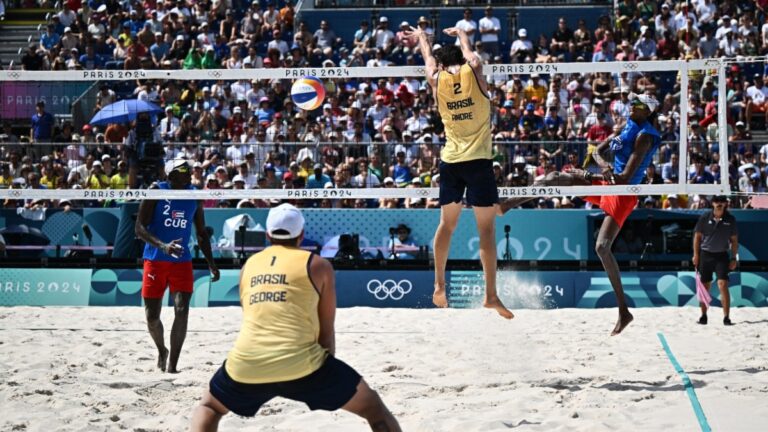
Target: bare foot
{"points": [[439, 298], [496, 304], [162, 359], [624, 319]]}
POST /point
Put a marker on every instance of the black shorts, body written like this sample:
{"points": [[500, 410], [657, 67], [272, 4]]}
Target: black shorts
{"points": [[328, 388], [716, 262], [476, 176]]}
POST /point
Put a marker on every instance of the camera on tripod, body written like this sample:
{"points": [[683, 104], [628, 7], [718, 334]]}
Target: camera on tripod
{"points": [[349, 248], [149, 153]]}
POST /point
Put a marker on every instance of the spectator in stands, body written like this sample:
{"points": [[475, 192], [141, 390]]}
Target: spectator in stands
{"points": [[97, 179], [670, 170], [42, 124], [403, 43], [700, 175], [521, 50], [365, 177], [317, 179], [362, 38], [383, 37], [468, 25], [562, 44], [324, 39], [582, 40], [757, 98], [605, 49], [32, 59], [490, 28]]}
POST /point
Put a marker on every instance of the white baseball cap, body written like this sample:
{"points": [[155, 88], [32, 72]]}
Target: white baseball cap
{"points": [[649, 101], [285, 217], [175, 164], [522, 32], [238, 178]]}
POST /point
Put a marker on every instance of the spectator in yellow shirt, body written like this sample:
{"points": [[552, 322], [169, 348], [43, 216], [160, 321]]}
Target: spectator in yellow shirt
{"points": [[97, 179], [120, 179], [535, 89], [47, 179], [5, 176]]}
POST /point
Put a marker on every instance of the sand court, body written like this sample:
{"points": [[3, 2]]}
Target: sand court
{"points": [[92, 369]]}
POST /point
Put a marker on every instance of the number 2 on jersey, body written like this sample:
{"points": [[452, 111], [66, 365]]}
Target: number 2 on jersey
{"points": [[456, 88]]}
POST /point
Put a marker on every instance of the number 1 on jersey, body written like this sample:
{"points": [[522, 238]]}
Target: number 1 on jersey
{"points": [[274, 258]]}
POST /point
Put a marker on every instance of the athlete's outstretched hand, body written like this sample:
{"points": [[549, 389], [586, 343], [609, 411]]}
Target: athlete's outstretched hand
{"points": [[453, 31], [214, 272], [414, 32]]}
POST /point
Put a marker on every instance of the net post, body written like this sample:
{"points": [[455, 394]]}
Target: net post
{"points": [[722, 132], [682, 167]]}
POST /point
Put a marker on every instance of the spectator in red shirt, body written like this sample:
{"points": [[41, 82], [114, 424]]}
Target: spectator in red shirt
{"points": [[382, 90], [600, 130], [667, 48]]}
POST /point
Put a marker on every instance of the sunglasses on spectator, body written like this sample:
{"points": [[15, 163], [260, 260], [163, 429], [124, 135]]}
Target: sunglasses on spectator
{"points": [[639, 103]]}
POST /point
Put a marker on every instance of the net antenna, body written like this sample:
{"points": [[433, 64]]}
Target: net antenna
{"points": [[683, 67]]}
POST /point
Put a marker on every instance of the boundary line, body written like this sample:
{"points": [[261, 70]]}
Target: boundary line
{"points": [[687, 384]]}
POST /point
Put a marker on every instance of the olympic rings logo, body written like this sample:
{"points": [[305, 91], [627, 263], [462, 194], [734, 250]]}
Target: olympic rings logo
{"points": [[631, 65], [216, 194], [14, 75], [15, 193], [423, 192], [634, 189], [389, 289], [420, 71], [215, 74]]}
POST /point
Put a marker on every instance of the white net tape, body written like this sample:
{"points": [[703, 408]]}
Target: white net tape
{"points": [[353, 72], [676, 66]]}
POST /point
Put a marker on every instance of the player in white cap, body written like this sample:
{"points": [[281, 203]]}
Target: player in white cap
{"points": [[286, 345]]}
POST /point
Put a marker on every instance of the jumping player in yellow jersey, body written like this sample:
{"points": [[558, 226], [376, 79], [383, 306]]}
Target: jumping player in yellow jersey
{"points": [[287, 342], [461, 93]]}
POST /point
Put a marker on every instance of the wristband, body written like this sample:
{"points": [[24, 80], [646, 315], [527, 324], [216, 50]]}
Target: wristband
{"points": [[588, 176]]}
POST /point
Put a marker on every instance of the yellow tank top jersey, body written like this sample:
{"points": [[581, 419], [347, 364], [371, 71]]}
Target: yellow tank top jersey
{"points": [[280, 329], [466, 113]]}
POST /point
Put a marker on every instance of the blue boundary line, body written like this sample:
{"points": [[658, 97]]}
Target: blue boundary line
{"points": [[687, 384]]}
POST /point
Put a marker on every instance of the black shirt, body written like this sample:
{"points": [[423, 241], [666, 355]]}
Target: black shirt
{"points": [[32, 61], [716, 235]]}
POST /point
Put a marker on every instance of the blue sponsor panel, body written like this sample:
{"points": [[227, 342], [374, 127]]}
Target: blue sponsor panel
{"points": [[116, 287], [44, 287], [225, 291], [651, 289], [393, 288], [403, 289], [516, 289]]}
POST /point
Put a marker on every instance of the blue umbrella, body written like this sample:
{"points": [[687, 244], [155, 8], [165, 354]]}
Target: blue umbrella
{"points": [[124, 111]]}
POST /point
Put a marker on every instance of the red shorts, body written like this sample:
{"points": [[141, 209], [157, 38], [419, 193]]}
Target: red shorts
{"points": [[619, 207], [160, 274]]}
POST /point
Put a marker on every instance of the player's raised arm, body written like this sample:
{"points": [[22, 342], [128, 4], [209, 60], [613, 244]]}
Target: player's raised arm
{"points": [[466, 47], [426, 52]]}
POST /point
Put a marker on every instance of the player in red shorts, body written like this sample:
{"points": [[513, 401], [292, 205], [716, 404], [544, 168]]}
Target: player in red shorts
{"points": [[166, 226], [633, 150]]}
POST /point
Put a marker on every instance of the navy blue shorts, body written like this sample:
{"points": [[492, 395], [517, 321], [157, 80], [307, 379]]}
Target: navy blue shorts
{"points": [[328, 388], [475, 176]]}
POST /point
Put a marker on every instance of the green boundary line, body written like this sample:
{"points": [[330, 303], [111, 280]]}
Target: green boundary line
{"points": [[687, 384]]}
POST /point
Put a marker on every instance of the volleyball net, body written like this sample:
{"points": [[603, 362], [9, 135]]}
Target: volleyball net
{"points": [[377, 134]]}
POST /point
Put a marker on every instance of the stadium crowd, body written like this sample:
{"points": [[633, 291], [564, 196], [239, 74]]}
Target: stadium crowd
{"points": [[381, 132]]}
